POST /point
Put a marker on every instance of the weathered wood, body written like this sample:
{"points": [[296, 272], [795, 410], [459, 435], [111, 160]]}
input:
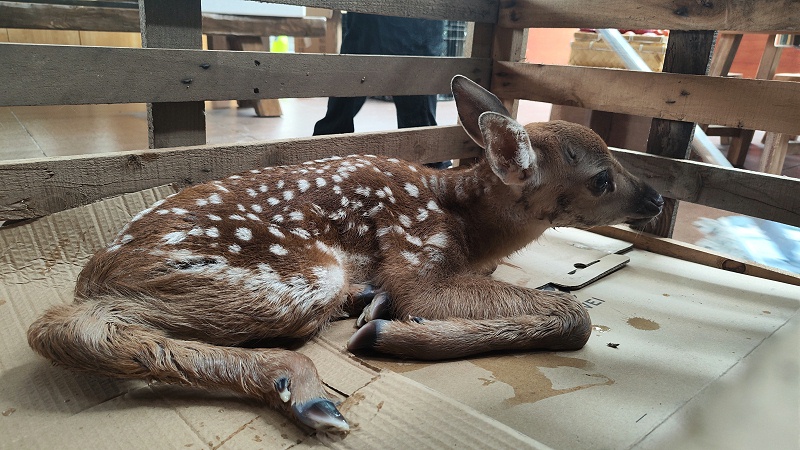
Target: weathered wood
{"points": [[725, 51], [776, 146], [64, 75], [36, 187], [695, 254], [467, 10], [770, 197], [87, 18], [170, 25], [742, 103], [688, 52], [735, 15]]}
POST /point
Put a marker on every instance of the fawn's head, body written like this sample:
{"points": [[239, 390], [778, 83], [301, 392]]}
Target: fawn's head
{"points": [[562, 172]]}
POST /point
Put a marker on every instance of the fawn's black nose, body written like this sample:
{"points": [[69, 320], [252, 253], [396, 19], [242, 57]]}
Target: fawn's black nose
{"points": [[652, 201]]}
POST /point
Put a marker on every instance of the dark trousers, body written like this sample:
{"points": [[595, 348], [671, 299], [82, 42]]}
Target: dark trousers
{"points": [[412, 111]]}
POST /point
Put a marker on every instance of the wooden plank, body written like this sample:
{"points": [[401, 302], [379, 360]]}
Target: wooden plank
{"points": [[173, 25], [270, 107], [688, 52], [770, 197], [87, 18], [38, 75], [36, 187], [776, 146], [467, 10], [734, 15], [741, 103], [695, 254]]}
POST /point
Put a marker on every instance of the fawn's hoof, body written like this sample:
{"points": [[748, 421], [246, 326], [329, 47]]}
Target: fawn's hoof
{"points": [[320, 414], [367, 336], [377, 309]]}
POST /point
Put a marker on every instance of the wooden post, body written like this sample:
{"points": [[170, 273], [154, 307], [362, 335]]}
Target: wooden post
{"points": [[688, 52], [172, 24]]}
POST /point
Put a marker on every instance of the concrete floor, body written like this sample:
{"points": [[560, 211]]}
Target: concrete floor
{"points": [[35, 132]]}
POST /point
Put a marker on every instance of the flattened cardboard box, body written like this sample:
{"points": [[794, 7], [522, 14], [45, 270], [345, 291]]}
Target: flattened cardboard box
{"points": [[678, 326]]}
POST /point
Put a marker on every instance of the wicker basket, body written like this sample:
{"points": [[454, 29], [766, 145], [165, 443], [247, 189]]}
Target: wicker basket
{"points": [[589, 49]]}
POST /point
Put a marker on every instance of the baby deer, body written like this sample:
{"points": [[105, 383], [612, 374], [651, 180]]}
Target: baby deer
{"points": [[277, 253]]}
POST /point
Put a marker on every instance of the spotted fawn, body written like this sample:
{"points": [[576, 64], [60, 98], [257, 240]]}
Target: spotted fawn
{"points": [[275, 254]]}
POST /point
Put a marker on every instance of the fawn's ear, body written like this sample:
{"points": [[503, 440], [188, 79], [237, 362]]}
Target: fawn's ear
{"points": [[471, 101], [508, 149]]}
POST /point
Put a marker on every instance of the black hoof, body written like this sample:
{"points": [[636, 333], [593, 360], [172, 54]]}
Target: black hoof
{"points": [[377, 309], [367, 336], [320, 414]]}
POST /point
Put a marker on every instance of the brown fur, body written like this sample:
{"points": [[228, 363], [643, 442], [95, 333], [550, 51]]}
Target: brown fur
{"points": [[275, 253]]}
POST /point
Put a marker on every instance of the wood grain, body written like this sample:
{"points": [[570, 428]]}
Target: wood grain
{"points": [[688, 52], [695, 254], [735, 15], [36, 187], [754, 104], [177, 26], [770, 197], [467, 10], [64, 75], [88, 18]]}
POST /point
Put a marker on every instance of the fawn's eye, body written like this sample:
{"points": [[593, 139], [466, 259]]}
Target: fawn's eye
{"points": [[601, 183]]}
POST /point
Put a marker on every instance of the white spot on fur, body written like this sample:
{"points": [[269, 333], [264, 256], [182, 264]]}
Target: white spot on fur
{"points": [[214, 217], [257, 208], [433, 206], [344, 201], [301, 233], [303, 185], [114, 248], [196, 231], [280, 184], [273, 201], [212, 232], [176, 237], [414, 240], [412, 168], [288, 195], [320, 182], [234, 177], [161, 212], [234, 248], [412, 190], [252, 216], [241, 207], [375, 209], [255, 171], [412, 258], [243, 234], [296, 216], [393, 160], [236, 217], [276, 232], [215, 199], [278, 250], [362, 230], [405, 220], [437, 240], [200, 202], [422, 214], [277, 218], [363, 191], [337, 179], [263, 188], [251, 192], [337, 190], [125, 239]]}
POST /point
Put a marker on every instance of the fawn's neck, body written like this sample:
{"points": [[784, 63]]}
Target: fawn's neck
{"points": [[497, 219]]}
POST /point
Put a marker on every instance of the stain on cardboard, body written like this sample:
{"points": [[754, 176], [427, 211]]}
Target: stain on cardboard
{"points": [[351, 402], [2, 302], [402, 366], [9, 412], [600, 329], [523, 373], [643, 324]]}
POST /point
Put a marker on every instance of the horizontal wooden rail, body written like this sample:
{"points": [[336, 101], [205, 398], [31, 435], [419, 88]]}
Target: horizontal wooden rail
{"points": [[467, 10], [742, 103], [88, 18], [74, 75], [695, 254], [33, 188], [770, 197], [765, 16]]}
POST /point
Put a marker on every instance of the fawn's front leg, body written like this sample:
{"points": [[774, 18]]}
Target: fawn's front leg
{"points": [[471, 314]]}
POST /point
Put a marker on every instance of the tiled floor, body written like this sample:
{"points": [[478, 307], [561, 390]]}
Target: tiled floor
{"points": [[34, 132]]}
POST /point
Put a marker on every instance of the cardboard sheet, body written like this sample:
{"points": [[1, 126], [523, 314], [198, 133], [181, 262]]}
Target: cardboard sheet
{"points": [[679, 327]]}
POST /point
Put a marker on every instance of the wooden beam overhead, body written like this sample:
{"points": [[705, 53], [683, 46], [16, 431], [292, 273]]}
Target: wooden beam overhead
{"points": [[755, 16]]}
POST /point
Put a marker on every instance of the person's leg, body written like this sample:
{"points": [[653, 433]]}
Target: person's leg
{"points": [[415, 110], [339, 117], [418, 111]]}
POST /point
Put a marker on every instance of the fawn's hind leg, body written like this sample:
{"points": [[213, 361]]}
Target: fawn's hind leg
{"points": [[474, 314], [93, 336]]}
